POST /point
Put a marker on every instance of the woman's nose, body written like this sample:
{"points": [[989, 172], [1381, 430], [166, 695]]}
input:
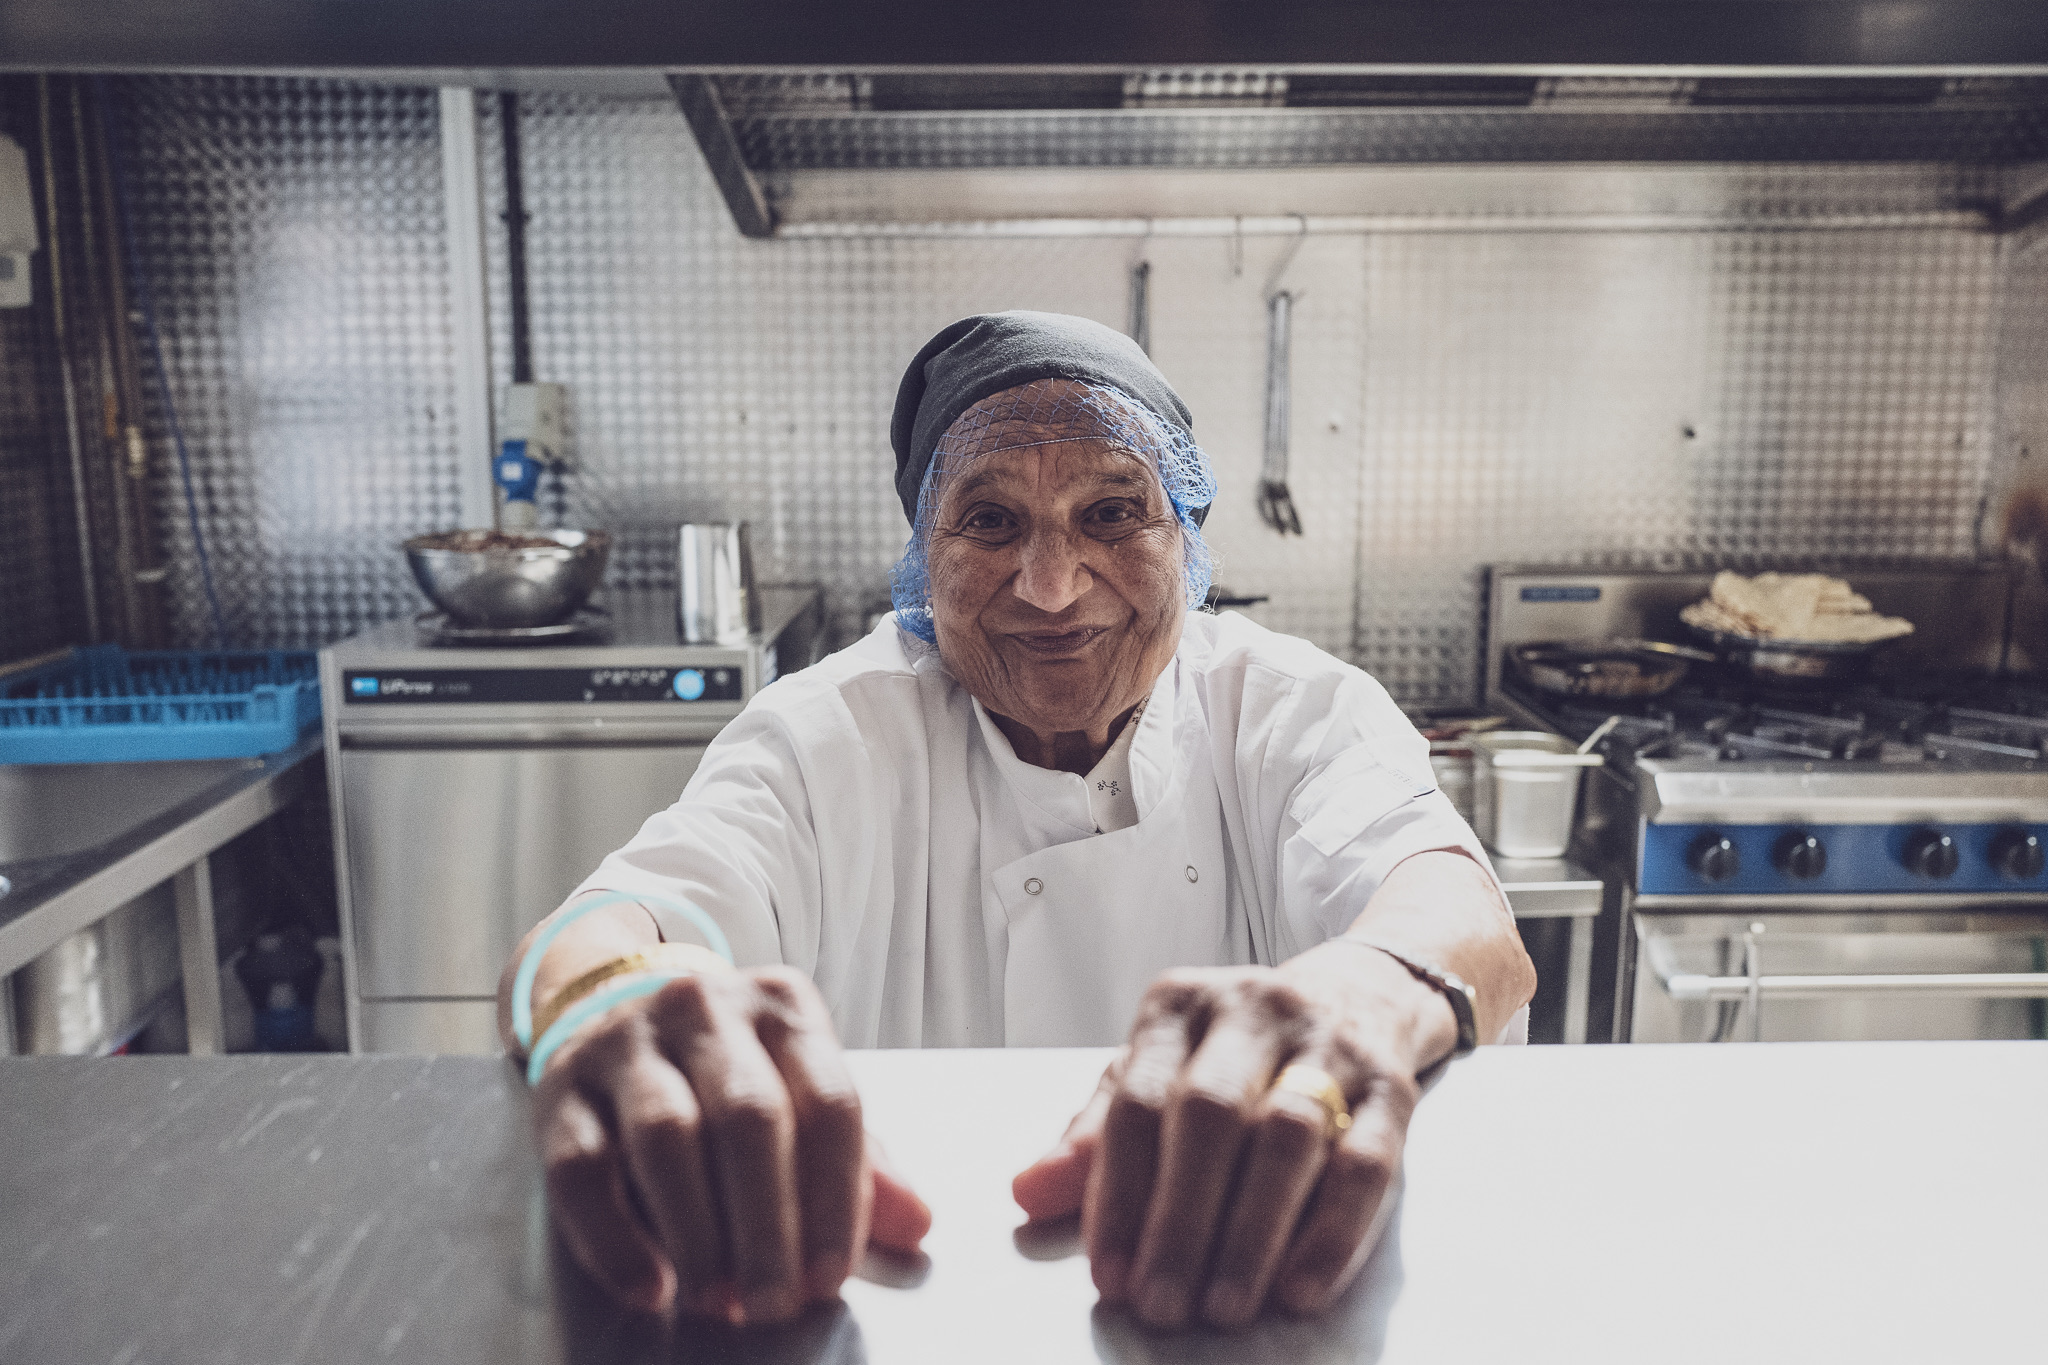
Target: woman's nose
{"points": [[1052, 576]]}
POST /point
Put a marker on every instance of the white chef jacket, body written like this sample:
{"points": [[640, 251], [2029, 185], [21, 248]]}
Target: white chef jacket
{"points": [[864, 820]]}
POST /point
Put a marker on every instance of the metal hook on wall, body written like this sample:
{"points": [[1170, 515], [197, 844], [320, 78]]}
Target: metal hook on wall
{"points": [[1141, 306], [1287, 257]]}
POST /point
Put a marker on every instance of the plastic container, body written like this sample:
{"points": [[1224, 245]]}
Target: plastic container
{"points": [[1525, 790], [103, 704]]}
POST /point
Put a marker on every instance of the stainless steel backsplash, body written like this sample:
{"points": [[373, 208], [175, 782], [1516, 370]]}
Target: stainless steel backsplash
{"points": [[1624, 398]]}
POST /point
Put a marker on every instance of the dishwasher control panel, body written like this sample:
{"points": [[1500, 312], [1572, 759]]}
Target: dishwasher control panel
{"points": [[469, 686]]}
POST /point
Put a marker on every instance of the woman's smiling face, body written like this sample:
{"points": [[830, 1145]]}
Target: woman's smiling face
{"points": [[1056, 582]]}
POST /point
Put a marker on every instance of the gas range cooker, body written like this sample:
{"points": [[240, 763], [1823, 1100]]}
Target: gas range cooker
{"points": [[1926, 779], [1920, 785], [1861, 862]]}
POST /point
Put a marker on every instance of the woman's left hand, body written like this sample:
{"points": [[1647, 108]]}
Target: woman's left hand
{"points": [[1203, 1189]]}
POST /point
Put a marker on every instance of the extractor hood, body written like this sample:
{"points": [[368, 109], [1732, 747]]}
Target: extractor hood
{"points": [[805, 152]]}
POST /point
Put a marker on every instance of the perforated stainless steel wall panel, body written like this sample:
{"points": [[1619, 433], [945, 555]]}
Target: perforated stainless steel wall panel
{"points": [[293, 236], [1458, 399], [1659, 400]]}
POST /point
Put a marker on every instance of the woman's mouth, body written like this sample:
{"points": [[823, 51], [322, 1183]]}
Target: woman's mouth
{"points": [[1053, 644]]}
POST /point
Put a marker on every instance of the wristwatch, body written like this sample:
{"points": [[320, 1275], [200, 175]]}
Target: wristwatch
{"points": [[1461, 996]]}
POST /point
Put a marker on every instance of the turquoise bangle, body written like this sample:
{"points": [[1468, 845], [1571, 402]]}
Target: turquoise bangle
{"points": [[587, 1009], [529, 966]]}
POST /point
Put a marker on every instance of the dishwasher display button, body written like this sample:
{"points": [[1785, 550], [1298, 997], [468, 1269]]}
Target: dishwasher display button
{"points": [[689, 683]]}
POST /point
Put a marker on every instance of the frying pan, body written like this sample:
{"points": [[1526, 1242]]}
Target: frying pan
{"points": [[1789, 662], [1608, 669]]}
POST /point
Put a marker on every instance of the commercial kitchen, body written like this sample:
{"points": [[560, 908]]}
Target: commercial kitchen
{"points": [[425, 431]]}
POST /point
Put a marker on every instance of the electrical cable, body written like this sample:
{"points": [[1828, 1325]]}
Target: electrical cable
{"points": [[54, 252], [117, 159]]}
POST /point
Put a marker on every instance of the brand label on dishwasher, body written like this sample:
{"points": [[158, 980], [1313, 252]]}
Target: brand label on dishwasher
{"points": [[457, 685], [1562, 592]]}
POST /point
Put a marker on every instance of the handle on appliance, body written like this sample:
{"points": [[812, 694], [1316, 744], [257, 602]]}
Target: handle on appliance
{"points": [[530, 735], [1687, 988]]}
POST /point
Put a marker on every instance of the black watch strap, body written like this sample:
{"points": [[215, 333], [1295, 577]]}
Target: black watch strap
{"points": [[1462, 997]]}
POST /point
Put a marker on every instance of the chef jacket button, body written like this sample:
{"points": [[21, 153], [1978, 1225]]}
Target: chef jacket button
{"points": [[1033, 886], [1193, 875]]}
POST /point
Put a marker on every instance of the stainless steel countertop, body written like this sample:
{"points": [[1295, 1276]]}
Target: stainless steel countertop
{"points": [[1547, 888], [55, 897], [1799, 1202]]}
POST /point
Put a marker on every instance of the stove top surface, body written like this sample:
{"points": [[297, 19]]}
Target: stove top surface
{"points": [[1953, 723]]}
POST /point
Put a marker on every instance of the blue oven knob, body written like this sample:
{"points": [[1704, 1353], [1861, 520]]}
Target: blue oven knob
{"points": [[1930, 853], [1799, 855], [1714, 856], [689, 683], [2017, 854]]}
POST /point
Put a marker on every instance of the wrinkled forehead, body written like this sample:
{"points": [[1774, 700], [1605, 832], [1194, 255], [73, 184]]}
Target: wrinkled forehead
{"points": [[1048, 473], [1049, 411]]}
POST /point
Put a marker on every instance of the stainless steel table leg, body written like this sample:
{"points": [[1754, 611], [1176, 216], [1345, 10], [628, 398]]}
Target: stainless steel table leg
{"points": [[6, 1016], [1578, 980], [199, 956]]}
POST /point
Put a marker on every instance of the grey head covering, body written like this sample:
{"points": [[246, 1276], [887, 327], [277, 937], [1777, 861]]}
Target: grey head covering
{"points": [[984, 355]]}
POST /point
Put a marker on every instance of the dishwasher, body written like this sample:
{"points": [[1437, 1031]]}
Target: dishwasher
{"points": [[474, 786]]}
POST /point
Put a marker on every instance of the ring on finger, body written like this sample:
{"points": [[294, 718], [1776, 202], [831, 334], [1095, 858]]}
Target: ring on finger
{"points": [[1320, 1086]]}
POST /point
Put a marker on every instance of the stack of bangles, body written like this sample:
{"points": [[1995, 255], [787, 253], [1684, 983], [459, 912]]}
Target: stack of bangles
{"points": [[623, 978]]}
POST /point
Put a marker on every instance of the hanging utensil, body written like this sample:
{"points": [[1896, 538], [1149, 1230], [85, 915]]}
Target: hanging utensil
{"points": [[1141, 305], [1276, 502]]}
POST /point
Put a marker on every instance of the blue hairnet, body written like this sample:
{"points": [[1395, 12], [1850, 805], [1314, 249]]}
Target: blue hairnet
{"points": [[1069, 409]]}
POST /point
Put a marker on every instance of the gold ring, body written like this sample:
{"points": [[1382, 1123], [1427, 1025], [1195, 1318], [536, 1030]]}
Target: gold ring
{"points": [[1320, 1086], [669, 957]]}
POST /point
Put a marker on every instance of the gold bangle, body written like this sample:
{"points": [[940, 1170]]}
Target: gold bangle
{"points": [[1320, 1086], [670, 957]]}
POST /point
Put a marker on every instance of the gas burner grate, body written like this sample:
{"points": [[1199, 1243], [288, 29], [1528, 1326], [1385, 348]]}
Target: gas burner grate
{"points": [[1956, 722]]}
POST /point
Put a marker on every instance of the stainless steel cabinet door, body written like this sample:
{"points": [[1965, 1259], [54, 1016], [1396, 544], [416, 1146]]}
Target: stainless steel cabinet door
{"points": [[454, 853]]}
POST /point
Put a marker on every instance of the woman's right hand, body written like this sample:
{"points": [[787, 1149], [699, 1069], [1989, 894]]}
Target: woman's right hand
{"points": [[705, 1154]]}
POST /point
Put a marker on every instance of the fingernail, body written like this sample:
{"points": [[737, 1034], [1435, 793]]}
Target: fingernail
{"points": [[1162, 1304], [1228, 1304], [1111, 1272]]}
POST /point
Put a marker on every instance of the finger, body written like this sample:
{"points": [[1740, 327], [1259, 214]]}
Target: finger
{"points": [[661, 1130], [1206, 1122], [833, 1188], [749, 1134], [1054, 1185], [1335, 1237], [593, 1213], [900, 1219], [1288, 1147], [1120, 1186]]}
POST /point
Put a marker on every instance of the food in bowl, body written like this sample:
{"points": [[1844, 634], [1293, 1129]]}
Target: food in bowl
{"points": [[500, 580], [1775, 606]]}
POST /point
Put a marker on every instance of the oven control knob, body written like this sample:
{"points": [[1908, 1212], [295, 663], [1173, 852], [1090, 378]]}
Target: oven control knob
{"points": [[1799, 855], [1932, 854], [2018, 855], [1714, 856]]}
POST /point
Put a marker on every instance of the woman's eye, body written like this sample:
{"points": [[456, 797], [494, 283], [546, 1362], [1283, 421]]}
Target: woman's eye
{"points": [[1112, 513], [988, 519]]}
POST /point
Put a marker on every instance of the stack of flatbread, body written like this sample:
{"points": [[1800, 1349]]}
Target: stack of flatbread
{"points": [[1792, 606]]}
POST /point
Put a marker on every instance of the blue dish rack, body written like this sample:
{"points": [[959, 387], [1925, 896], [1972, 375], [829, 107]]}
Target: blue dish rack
{"points": [[103, 704]]}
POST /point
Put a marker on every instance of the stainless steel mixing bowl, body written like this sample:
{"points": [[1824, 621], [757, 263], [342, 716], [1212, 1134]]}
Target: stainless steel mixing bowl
{"points": [[512, 580]]}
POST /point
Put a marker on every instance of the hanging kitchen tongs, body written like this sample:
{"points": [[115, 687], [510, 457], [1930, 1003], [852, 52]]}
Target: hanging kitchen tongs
{"points": [[1276, 503]]}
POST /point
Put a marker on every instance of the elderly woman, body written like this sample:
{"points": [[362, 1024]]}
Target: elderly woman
{"points": [[1048, 802]]}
